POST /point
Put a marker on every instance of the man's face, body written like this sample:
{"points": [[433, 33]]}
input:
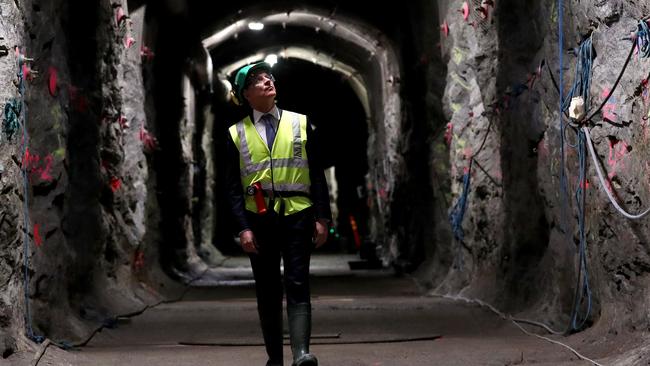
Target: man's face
{"points": [[260, 88]]}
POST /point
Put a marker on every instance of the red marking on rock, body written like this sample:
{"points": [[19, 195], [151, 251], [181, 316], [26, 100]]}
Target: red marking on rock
{"points": [[465, 10], [123, 122], [129, 41], [37, 236], [148, 141], [449, 133], [609, 110], [444, 27], [120, 16], [146, 53], [52, 78], [45, 172], [27, 159], [115, 184], [617, 151], [35, 167]]}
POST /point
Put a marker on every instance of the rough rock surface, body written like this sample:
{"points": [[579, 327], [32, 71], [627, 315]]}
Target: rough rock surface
{"points": [[516, 252], [86, 170]]}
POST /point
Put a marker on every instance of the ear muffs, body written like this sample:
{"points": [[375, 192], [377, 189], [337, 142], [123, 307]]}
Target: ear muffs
{"points": [[234, 98]]}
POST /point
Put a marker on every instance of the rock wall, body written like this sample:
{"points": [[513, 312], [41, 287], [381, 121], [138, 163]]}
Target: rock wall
{"points": [[516, 251], [14, 29], [87, 194]]}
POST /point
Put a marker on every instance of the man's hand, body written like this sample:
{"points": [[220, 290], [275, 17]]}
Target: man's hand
{"points": [[247, 240], [320, 233]]}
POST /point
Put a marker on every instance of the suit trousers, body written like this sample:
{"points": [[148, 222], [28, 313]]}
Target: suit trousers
{"points": [[288, 238]]}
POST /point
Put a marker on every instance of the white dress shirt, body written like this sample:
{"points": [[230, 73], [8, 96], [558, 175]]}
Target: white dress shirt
{"points": [[260, 126]]}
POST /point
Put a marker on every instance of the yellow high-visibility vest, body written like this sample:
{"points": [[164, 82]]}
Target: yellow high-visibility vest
{"points": [[284, 168]]}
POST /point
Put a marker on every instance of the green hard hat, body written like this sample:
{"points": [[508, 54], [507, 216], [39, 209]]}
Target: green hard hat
{"points": [[242, 74]]}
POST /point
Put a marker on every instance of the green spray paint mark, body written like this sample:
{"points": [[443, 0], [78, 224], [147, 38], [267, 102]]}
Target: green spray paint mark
{"points": [[457, 55], [554, 15], [59, 153]]}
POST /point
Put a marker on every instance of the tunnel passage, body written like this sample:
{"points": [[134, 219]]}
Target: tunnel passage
{"points": [[135, 175], [357, 55]]}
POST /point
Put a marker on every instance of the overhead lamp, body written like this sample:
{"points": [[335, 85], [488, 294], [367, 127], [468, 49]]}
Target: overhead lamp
{"points": [[271, 59], [256, 26]]}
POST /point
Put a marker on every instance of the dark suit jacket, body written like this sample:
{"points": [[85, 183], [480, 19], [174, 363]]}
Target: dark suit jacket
{"points": [[235, 191]]}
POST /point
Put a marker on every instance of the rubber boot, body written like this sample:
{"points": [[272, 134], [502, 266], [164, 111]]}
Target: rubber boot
{"points": [[300, 333], [273, 338]]}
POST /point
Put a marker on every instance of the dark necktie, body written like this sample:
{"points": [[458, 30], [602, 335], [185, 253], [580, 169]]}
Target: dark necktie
{"points": [[267, 119]]}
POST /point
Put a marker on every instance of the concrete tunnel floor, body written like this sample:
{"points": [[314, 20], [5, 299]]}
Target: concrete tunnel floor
{"points": [[361, 317]]}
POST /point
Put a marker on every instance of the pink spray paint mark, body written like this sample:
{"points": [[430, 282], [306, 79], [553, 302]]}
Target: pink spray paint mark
{"points": [[123, 122], [128, 41], [37, 236], [617, 151], [35, 167], [146, 53], [449, 133], [46, 171], [148, 141], [609, 110], [444, 27], [584, 184], [51, 85], [120, 16], [465, 10]]}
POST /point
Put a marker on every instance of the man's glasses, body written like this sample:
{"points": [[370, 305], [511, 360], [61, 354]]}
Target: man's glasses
{"points": [[259, 79]]}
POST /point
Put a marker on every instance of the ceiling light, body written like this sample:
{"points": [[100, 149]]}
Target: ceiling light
{"points": [[271, 59], [256, 26]]}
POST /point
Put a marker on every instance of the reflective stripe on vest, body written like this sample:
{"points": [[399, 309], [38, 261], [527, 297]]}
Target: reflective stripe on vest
{"points": [[286, 163]]}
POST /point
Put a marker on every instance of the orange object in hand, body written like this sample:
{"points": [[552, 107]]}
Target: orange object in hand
{"points": [[259, 198]]}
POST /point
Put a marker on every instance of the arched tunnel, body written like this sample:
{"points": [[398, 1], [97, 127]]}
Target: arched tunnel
{"points": [[485, 161]]}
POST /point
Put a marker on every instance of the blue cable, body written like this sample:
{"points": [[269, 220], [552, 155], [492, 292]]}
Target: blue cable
{"points": [[581, 86], [458, 212], [583, 292]]}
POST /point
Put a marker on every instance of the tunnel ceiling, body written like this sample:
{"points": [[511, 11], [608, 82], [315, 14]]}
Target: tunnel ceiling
{"points": [[351, 35], [277, 38], [211, 16]]}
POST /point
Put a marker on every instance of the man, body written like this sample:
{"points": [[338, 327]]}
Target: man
{"points": [[278, 195]]}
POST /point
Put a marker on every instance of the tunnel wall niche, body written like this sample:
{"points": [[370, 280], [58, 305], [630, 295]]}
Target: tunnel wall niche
{"points": [[516, 252]]}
